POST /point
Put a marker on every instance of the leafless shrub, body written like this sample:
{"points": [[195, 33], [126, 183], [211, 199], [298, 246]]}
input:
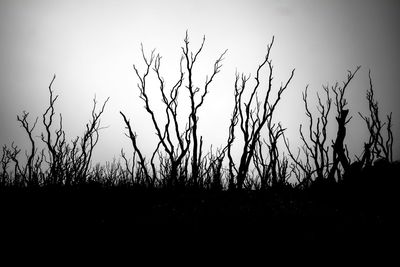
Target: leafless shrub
{"points": [[178, 151], [251, 116], [315, 163], [65, 163], [378, 146]]}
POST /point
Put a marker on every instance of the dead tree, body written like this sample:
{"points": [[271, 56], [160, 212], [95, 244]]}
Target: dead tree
{"points": [[28, 173], [12, 153], [132, 136], [46, 137], [5, 162], [271, 169], [213, 169], [190, 59], [340, 154], [378, 146], [317, 134], [129, 168], [314, 146], [252, 116], [300, 166], [175, 153], [91, 135], [24, 174], [67, 163], [231, 137], [171, 130]]}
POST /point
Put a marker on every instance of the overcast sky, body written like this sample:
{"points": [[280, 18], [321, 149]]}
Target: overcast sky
{"points": [[91, 46]]}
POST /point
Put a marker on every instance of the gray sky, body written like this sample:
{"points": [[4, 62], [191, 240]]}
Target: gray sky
{"points": [[91, 46]]}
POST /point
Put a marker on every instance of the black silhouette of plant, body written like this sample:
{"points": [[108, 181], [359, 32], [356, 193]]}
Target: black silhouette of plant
{"points": [[252, 116], [177, 154], [60, 162], [377, 147], [316, 164], [272, 170]]}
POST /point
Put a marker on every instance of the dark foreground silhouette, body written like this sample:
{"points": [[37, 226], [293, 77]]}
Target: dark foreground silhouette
{"points": [[360, 211]]}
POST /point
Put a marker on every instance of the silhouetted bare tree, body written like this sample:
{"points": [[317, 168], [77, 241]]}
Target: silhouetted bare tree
{"points": [[5, 162], [69, 163], [340, 152], [314, 147], [11, 155], [28, 173], [176, 153], [66, 163], [378, 146], [171, 129], [212, 170], [271, 168], [132, 136], [190, 59], [252, 116]]}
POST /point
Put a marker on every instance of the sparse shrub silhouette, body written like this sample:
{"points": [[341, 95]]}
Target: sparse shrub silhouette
{"points": [[174, 164], [317, 165], [60, 163], [377, 147], [252, 116]]}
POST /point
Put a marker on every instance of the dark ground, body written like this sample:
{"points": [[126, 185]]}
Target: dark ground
{"points": [[359, 214], [337, 217]]}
